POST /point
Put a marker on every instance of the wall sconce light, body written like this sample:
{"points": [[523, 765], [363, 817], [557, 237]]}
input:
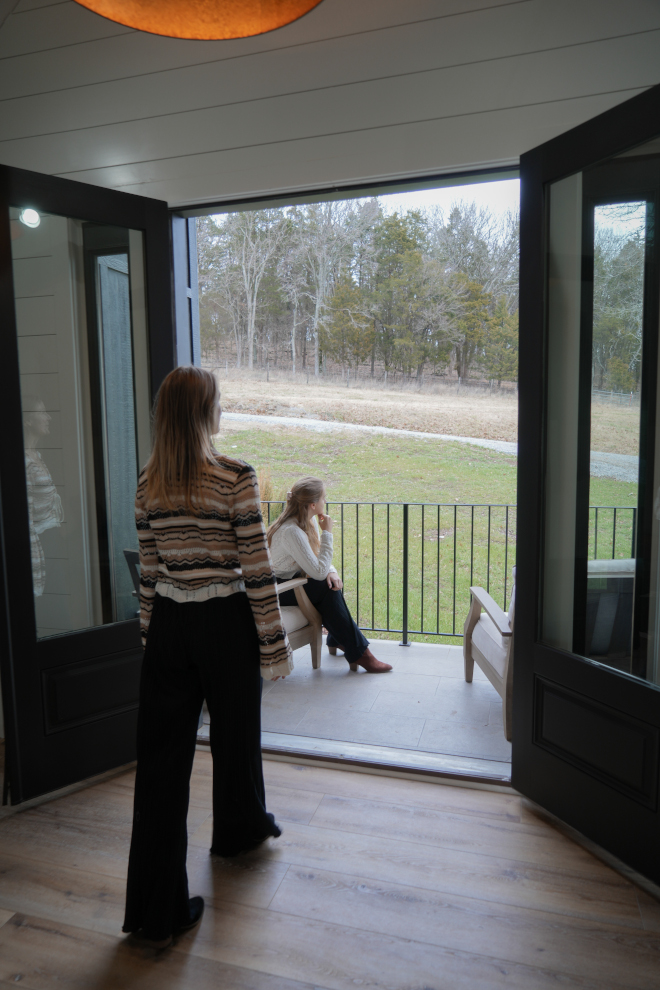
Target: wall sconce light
{"points": [[202, 19], [29, 217]]}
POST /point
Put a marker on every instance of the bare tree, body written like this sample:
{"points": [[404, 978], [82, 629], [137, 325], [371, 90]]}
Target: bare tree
{"points": [[479, 245], [231, 302], [322, 240], [293, 282], [253, 238]]}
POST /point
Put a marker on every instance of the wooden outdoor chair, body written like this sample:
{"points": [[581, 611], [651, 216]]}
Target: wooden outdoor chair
{"points": [[302, 622], [488, 642]]}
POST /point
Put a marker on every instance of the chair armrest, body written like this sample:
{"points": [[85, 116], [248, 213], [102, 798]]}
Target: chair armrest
{"points": [[312, 615], [292, 583], [493, 610]]}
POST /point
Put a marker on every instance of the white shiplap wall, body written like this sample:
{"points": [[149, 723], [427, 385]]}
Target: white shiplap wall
{"points": [[357, 90]]}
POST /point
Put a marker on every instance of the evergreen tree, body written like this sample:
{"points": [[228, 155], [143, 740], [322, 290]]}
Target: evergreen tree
{"points": [[472, 317], [618, 300], [348, 330], [501, 356]]}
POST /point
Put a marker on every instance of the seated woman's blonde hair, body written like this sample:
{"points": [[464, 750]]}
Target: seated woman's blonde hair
{"points": [[305, 491]]}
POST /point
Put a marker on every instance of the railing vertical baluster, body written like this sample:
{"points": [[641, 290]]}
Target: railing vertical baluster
{"points": [[472, 547], [373, 567], [488, 558], [453, 609], [614, 535], [437, 595], [357, 562], [388, 566], [342, 542], [421, 593], [506, 552], [596, 535], [404, 623], [634, 533]]}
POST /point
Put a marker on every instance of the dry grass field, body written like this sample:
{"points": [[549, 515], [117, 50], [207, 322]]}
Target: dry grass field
{"points": [[471, 413], [615, 429], [468, 412]]}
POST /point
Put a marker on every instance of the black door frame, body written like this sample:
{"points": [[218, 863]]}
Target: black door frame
{"points": [[571, 791], [21, 674]]}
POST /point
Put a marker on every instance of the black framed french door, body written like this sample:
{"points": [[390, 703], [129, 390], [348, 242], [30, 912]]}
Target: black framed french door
{"points": [[586, 707], [87, 336]]}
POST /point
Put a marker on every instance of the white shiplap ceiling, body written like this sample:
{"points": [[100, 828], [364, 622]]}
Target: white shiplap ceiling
{"points": [[355, 91]]}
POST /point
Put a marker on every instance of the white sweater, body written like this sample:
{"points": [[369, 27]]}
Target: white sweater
{"points": [[291, 553]]}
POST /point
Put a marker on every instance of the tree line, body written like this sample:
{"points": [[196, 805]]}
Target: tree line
{"points": [[347, 284], [619, 249]]}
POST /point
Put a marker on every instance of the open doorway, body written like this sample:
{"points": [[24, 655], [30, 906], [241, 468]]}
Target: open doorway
{"points": [[372, 341]]}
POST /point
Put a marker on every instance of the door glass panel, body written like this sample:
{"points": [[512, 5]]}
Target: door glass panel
{"points": [[617, 354], [600, 571], [79, 291]]}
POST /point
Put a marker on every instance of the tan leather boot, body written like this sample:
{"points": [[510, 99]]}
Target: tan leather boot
{"points": [[370, 664]]}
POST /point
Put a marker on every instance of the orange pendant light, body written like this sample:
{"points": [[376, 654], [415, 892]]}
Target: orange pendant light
{"points": [[202, 19]]}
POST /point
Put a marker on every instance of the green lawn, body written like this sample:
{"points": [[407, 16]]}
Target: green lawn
{"points": [[450, 547], [389, 469], [377, 468]]}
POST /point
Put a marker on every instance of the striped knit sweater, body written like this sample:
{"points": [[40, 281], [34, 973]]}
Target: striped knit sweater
{"points": [[218, 550]]}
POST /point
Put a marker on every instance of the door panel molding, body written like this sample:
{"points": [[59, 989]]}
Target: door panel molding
{"points": [[572, 727], [595, 680], [76, 693]]}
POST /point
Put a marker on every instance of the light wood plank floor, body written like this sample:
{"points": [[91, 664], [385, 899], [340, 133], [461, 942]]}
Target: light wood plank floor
{"points": [[376, 882]]}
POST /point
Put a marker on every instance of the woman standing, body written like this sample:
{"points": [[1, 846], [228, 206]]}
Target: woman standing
{"points": [[211, 628], [296, 548]]}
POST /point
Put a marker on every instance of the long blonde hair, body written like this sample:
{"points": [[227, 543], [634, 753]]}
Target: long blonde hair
{"points": [[183, 420], [301, 496]]}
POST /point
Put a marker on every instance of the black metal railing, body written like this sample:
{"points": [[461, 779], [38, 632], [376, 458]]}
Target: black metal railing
{"points": [[407, 567], [612, 531]]}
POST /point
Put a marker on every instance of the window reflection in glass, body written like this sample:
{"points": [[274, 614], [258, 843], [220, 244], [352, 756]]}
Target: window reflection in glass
{"points": [[601, 542], [44, 503], [79, 297], [617, 338]]}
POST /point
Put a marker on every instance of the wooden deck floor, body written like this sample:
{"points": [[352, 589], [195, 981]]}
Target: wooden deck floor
{"points": [[376, 882]]}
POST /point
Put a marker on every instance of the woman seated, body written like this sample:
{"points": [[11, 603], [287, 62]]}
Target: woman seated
{"points": [[295, 548]]}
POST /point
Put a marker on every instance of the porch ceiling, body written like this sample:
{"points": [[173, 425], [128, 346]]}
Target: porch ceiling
{"points": [[356, 90]]}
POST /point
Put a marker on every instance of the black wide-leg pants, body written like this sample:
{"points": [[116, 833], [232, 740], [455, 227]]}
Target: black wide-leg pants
{"points": [[342, 630], [195, 650]]}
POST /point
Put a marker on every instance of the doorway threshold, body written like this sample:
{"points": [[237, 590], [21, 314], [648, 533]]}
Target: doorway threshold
{"points": [[461, 768], [381, 759]]}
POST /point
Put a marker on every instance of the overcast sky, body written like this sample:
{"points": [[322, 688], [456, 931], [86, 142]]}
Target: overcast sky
{"points": [[500, 197]]}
